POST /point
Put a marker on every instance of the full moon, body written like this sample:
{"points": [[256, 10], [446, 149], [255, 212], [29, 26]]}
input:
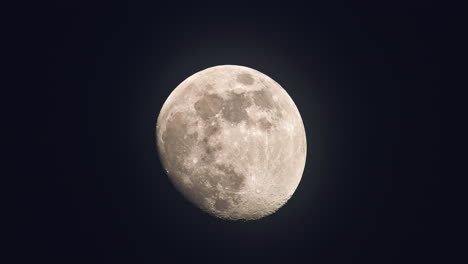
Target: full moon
{"points": [[232, 141]]}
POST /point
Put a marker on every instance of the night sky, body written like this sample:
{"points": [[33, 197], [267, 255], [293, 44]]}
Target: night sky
{"points": [[365, 78]]}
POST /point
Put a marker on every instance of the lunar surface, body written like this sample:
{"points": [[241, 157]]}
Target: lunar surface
{"points": [[232, 141]]}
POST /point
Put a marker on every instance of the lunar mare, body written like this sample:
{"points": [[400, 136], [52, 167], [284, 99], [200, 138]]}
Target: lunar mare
{"points": [[232, 141]]}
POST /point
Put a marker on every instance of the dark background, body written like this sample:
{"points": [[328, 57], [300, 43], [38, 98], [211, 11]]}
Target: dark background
{"points": [[365, 78]]}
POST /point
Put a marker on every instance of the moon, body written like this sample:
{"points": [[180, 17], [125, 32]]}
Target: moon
{"points": [[232, 141]]}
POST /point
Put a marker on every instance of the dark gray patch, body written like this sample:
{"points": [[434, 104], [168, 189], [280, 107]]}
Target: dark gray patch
{"points": [[230, 178], [213, 179], [221, 205], [234, 108], [245, 78], [264, 124], [212, 129], [208, 157], [263, 99], [208, 106], [210, 150]]}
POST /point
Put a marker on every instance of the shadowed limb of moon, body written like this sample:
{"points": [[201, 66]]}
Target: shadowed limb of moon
{"points": [[232, 141]]}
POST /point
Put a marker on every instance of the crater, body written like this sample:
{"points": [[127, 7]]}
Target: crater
{"points": [[208, 106], [245, 78], [234, 108]]}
